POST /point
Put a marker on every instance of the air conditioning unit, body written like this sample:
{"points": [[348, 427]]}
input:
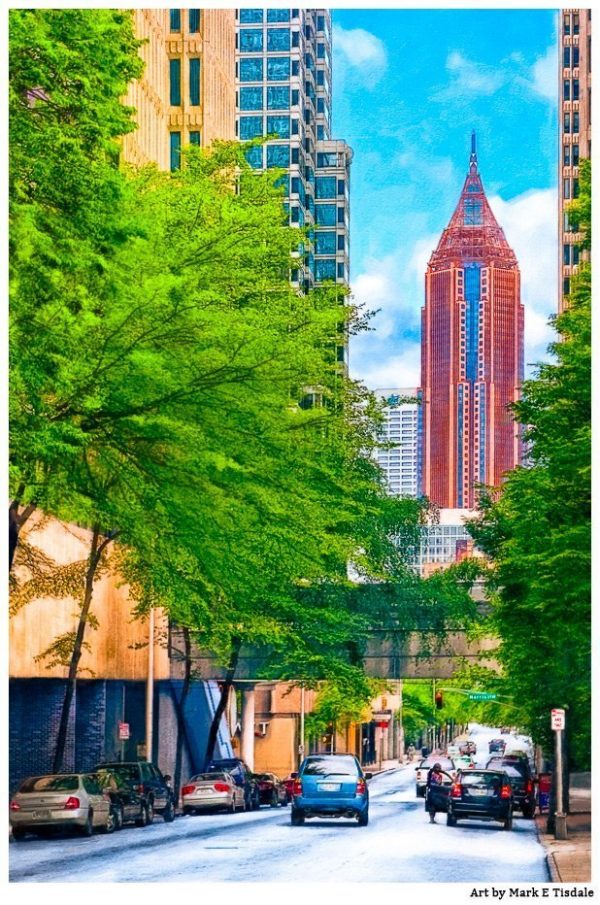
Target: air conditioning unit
{"points": [[260, 729]]}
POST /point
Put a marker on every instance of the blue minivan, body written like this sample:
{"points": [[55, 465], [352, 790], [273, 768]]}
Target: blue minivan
{"points": [[330, 785]]}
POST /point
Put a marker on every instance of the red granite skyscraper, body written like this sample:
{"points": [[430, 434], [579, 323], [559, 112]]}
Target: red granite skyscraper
{"points": [[471, 353]]}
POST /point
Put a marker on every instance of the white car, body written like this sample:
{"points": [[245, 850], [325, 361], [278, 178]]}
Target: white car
{"points": [[446, 763], [212, 791], [60, 801]]}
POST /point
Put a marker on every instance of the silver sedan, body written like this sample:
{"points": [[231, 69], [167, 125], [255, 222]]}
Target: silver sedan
{"points": [[211, 791], [60, 801]]}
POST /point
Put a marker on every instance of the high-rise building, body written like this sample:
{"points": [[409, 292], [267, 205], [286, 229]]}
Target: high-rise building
{"points": [[283, 78], [186, 94], [471, 353], [575, 124], [399, 458]]}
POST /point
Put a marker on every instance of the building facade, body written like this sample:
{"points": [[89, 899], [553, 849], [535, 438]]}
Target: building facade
{"points": [[399, 458], [283, 81], [471, 353], [575, 124], [186, 94]]}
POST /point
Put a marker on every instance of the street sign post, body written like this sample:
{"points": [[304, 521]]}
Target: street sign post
{"points": [[557, 724], [482, 695], [557, 719], [123, 731]]}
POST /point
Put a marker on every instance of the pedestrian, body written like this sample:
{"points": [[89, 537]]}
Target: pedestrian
{"points": [[435, 777], [425, 751]]}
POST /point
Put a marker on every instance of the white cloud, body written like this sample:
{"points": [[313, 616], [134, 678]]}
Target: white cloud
{"points": [[543, 75], [470, 79], [362, 52], [401, 370]]}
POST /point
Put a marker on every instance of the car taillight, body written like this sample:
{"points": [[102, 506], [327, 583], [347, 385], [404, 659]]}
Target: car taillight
{"points": [[221, 787], [505, 792], [529, 787], [15, 806], [187, 790], [72, 803], [456, 790], [361, 787], [297, 787]]}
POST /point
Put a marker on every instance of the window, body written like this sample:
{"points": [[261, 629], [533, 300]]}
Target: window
{"points": [[575, 23], [320, 23], [295, 39], [175, 83], [566, 156], [320, 77], [295, 67], [195, 138], [566, 90], [325, 243], [251, 69], [341, 243], [320, 51], [278, 69], [325, 214], [566, 286], [309, 61], [575, 57], [575, 152], [327, 160], [325, 269], [473, 212], [194, 82], [566, 222], [295, 97], [278, 15], [567, 24], [575, 255], [278, 98], [251, 40], [320, 133], [175, 19], [251, 98], [576, 121], [194, 21], [254, 157], [278, 125], [250, 127], [249, 16], [566, 189], [295, 155], [175, 138], [341, 186], [278, 39], [566, 57], [567, 123], [341, 215], [320, 105], [575, 89], [566, 255], [295, 125], [326, 187], [278, 156], [576, 188]]}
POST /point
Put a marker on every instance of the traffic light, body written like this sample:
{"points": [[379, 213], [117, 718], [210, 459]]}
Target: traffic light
{"points": [[439, 700]]}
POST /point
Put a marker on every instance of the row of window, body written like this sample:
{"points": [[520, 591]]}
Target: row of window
{"points": [[570, 255], [571, 123], [194, 18], [570, 89], [175, 82], [570, 57], [570, 189], [257, 17], [175, 147], [328, 243], [571, 23], [571, 155], [251, 40]]}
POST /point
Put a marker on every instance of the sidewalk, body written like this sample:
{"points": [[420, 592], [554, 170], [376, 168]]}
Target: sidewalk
{"points": [[570, 859]]}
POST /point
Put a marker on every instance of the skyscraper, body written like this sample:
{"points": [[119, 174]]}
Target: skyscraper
{"points": [[471, 353], [283, 78], [575, 124], [400, 460]]}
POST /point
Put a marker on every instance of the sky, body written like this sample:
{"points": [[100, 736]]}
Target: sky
{"points": [[409, 86]]}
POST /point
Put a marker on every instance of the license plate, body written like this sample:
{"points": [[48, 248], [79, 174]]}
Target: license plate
{"points": [[478, 792], [40, 815], [329, 787], [207, 792]]}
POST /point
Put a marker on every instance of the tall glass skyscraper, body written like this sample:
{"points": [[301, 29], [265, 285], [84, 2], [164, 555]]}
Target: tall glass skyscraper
{"points": [[283, 84], [398, 455], [471, 353]]}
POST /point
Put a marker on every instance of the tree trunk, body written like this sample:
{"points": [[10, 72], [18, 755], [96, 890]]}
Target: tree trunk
{"points": [[181, 730], [225, 688], [15, 521], [96, 552]]}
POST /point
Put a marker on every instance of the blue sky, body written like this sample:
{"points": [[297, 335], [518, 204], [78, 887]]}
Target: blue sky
{"points": [[409, 85]]}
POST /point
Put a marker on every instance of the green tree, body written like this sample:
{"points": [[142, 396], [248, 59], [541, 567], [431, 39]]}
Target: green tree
{"points": [[537, 531]]}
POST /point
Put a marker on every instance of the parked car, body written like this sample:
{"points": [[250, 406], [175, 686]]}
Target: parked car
{"points": [[464, 762], [127, 803], [446, 763], [496, 744], [271, 790], [521, 780], [211, 791], [289, 786], [60, 801], [243, 776], [330, 785], [452, 750], [149, 782], [481, 795]]}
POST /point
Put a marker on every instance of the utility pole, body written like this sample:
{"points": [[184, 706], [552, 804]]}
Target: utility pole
{"points": [[150, 686], [557, 722], [301, 745]]}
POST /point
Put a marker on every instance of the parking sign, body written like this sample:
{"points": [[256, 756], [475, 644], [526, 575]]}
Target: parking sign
{"points": [[557, 719]]}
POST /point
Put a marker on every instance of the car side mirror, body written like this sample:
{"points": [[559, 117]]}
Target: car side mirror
{"points": [[294, 775], [167, 778], [368, 776]]}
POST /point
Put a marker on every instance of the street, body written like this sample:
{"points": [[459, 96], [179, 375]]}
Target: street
{"points": [[399, 845]]}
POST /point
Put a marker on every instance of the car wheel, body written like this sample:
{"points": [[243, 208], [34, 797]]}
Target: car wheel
{"points": [[188, 811], [274, 800], [256, 802], [169, 812], [119, 817], [363, 818], [150, 812], [111, 822], [297, 817], [19, 833], [450, 819], [507, 825], [88, 828], [285, 802], [143, 818]]}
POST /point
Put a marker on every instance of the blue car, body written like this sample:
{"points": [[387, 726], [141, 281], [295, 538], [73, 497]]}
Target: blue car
{"points": [[330, 785]]}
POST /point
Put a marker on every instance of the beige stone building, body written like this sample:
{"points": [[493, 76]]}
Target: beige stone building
{"points": [[575, 125], [186, 94]]}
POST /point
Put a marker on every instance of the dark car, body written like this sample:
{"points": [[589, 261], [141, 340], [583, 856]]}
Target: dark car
{"points": [[497, 744], [127, 803], [481, 795], [271, 790], [243, 776], [521, 780], [330, 785], [149, 782]]}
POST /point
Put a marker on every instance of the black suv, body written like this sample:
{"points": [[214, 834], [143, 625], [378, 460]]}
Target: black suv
{"points": [[481, 795], [242, 776], [149, 782], [521, 780]]}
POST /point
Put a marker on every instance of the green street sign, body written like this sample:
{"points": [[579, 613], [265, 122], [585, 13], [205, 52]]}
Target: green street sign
{"points": [[482, 695]]}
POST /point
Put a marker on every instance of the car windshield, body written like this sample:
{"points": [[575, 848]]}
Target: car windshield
{"points": [[521, 766], [326, 766], [472, 778], [50, 784], [127, 771], [208, 777], [513, 772], [444, 762]]}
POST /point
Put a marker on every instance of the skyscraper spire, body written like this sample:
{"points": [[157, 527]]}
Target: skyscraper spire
{"points": [[473, 158]]}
